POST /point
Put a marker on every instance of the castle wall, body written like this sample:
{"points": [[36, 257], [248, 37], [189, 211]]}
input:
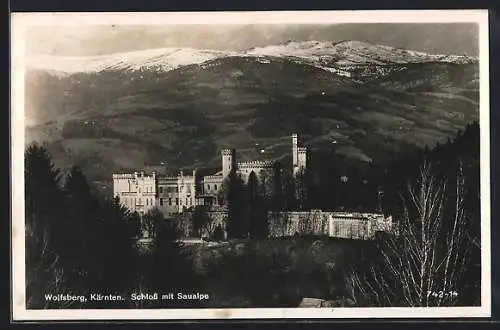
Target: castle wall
{"points": [[297, 223], [294, 151], [332, 224], [258, 167], [187, 191], [168, 195], [121, 183], [212, 185], [173, 194], [136, 191], [301, 159], [299, 156]]}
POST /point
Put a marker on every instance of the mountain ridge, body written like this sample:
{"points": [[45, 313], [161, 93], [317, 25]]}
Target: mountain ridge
{"points": [[341, 53], [120, 119]]}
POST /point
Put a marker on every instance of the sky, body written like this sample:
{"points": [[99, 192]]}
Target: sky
{"points": [[442, 38]]}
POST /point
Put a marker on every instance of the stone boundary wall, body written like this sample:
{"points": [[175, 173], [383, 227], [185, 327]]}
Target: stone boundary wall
{"points": [[332, 224], [361, 226]]}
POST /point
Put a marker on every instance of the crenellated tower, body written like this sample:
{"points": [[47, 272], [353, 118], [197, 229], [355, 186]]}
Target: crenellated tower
{"points": [[299, 155], [294, 150], [228, 162]]}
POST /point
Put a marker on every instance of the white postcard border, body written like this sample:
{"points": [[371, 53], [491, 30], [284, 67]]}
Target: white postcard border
{"points": [[21, 21]]}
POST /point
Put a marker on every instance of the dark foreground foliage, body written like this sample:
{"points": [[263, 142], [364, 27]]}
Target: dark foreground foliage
{"points": [[81, 244]]}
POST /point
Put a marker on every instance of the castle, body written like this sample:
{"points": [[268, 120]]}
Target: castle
{"points": [[141, 192]]}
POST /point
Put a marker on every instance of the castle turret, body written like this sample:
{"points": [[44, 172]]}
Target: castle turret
{"points": [[228, 161], [302, 155], [294, 151], [299, 155]]}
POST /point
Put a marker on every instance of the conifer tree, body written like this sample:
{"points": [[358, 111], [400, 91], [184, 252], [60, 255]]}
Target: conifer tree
{"points": [[201, 220], [234, 196], [44, 202], [165, 269], [118, 256], [303, 187], [255, 206], [82, 224]]}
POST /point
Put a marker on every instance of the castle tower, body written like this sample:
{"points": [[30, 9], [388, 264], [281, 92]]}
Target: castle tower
{"points": [[299, 155], [294, 151], [301, 159], [228, 161]]}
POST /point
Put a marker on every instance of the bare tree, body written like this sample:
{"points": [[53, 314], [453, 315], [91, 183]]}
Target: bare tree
{"points": [[44, 273], [423, 265], [209, 227]]}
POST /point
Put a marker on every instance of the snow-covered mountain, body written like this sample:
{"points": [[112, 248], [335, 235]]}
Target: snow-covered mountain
{"points": [[345, 53], [183, 105], [337, 57], [162, 59]]}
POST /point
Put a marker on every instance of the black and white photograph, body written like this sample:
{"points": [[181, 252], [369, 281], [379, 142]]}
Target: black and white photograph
{"points": [[250, 165]]}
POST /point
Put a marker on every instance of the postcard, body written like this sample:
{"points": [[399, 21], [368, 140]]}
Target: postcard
{"points": [[250, 165]]}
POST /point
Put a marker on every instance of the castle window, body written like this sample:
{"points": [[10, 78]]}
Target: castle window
{"points": [[215, 187], [161, 201], [161, 190], [208, 187], [170, 201], [140, 201], [177, 201]]}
